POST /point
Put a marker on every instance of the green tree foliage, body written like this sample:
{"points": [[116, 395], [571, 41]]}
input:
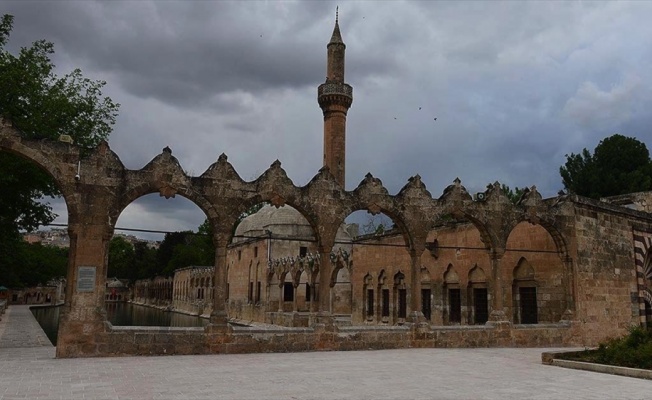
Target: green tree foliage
{"points": [[41, 105], [513, 195], [144, 264], [183, 249], [618, 165], [131, 261], [31, 264], [121, 258]]}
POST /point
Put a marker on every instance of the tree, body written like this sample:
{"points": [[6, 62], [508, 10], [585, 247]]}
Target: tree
{"points": [[26, 264], [513, 195], [183, 249], [144, 265], [618, 165], [41, 105], [121, 258], [377, 224]]}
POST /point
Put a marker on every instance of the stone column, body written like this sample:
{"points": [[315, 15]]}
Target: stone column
{"points": [[295, 305], [281, 298], [497, 300], [219, 316], [324, 314], [416, 316], [83, 314], [325, 282], [569, 289], [313, 294]]}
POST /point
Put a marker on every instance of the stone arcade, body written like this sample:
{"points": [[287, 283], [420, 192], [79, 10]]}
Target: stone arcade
{"points": [[459, 274]]}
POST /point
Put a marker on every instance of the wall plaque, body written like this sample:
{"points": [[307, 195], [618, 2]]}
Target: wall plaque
{"points": [[85, 279]]}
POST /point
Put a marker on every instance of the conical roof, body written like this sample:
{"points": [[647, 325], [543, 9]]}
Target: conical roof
{"points": [[337, 36]]}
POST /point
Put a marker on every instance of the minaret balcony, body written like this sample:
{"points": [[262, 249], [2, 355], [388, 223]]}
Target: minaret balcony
{"points": [[335, 93], [335, 88]]}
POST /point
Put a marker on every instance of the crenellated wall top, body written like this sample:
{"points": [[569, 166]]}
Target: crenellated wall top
{"points": [[97, 187]]}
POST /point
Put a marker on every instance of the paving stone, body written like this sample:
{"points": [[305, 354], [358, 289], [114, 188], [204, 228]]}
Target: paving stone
{"points": [[34, 373]]}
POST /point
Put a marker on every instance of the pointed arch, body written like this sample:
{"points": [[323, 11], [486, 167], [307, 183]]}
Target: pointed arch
{"points": [[523, 270]]}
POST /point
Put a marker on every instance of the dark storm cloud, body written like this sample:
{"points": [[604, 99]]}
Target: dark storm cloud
{"points": [[514, 85], [187, 53]]}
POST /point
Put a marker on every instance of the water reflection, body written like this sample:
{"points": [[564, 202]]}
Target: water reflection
{"points": [[48, 318], [126, 314], [120, 314]]}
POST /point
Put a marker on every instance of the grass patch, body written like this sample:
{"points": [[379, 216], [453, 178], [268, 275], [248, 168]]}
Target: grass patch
{"points": [[633, 350]]}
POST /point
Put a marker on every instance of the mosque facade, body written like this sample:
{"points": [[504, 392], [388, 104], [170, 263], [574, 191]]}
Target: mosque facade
{"points": [[453, 271]]}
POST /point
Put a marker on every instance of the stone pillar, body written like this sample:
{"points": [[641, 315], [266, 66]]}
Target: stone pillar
{"points": [[83, 314], [219, 316], [416, 316], [281, 298], [313, 294], [325, 282], [569, 289], [497, 300], [295, 305], [324, 315]]}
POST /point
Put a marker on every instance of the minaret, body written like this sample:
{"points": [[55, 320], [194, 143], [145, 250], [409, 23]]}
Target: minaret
{"points": [[335, 98]]}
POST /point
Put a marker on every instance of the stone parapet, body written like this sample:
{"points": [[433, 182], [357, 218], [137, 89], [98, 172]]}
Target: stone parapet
{"points": [[122, 341]]}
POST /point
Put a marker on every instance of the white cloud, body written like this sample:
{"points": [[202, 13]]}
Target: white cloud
{"points": [[592, 107]]}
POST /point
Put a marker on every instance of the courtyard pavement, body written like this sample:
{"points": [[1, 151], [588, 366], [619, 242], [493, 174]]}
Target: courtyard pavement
{"points": [[29, 372]]}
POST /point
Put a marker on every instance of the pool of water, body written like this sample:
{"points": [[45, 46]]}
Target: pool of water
{"points": [[120, 314]]}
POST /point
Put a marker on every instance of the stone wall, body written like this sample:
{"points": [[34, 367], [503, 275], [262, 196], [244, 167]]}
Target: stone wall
{"points": [[176, 341], [605, 273]]}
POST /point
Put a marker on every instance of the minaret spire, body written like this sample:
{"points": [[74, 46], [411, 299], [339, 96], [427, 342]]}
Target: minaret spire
{"points": [[335, 98]]}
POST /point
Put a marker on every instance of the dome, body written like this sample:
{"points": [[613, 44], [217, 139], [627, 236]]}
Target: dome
{"points": [[115, 283], [282, 221]]}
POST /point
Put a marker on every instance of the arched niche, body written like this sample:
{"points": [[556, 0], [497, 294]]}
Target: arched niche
{"points": [[452, 297], [478, 296], [400, 297], [524, 294], [534, 265], [455, 241]]}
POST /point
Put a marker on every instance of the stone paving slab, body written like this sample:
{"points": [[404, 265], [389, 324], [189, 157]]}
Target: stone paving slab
{"points": [[19, 328], [505, 374], [33, 373]]}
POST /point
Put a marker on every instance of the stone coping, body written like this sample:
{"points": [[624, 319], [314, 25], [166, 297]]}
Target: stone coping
{"points": [[156, 329], [373, 328], [550, 358], [563, 324], [461, 327], [267, 329]]}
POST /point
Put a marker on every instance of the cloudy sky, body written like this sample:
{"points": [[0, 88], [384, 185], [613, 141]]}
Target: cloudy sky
{"points": [[514, 85]]}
